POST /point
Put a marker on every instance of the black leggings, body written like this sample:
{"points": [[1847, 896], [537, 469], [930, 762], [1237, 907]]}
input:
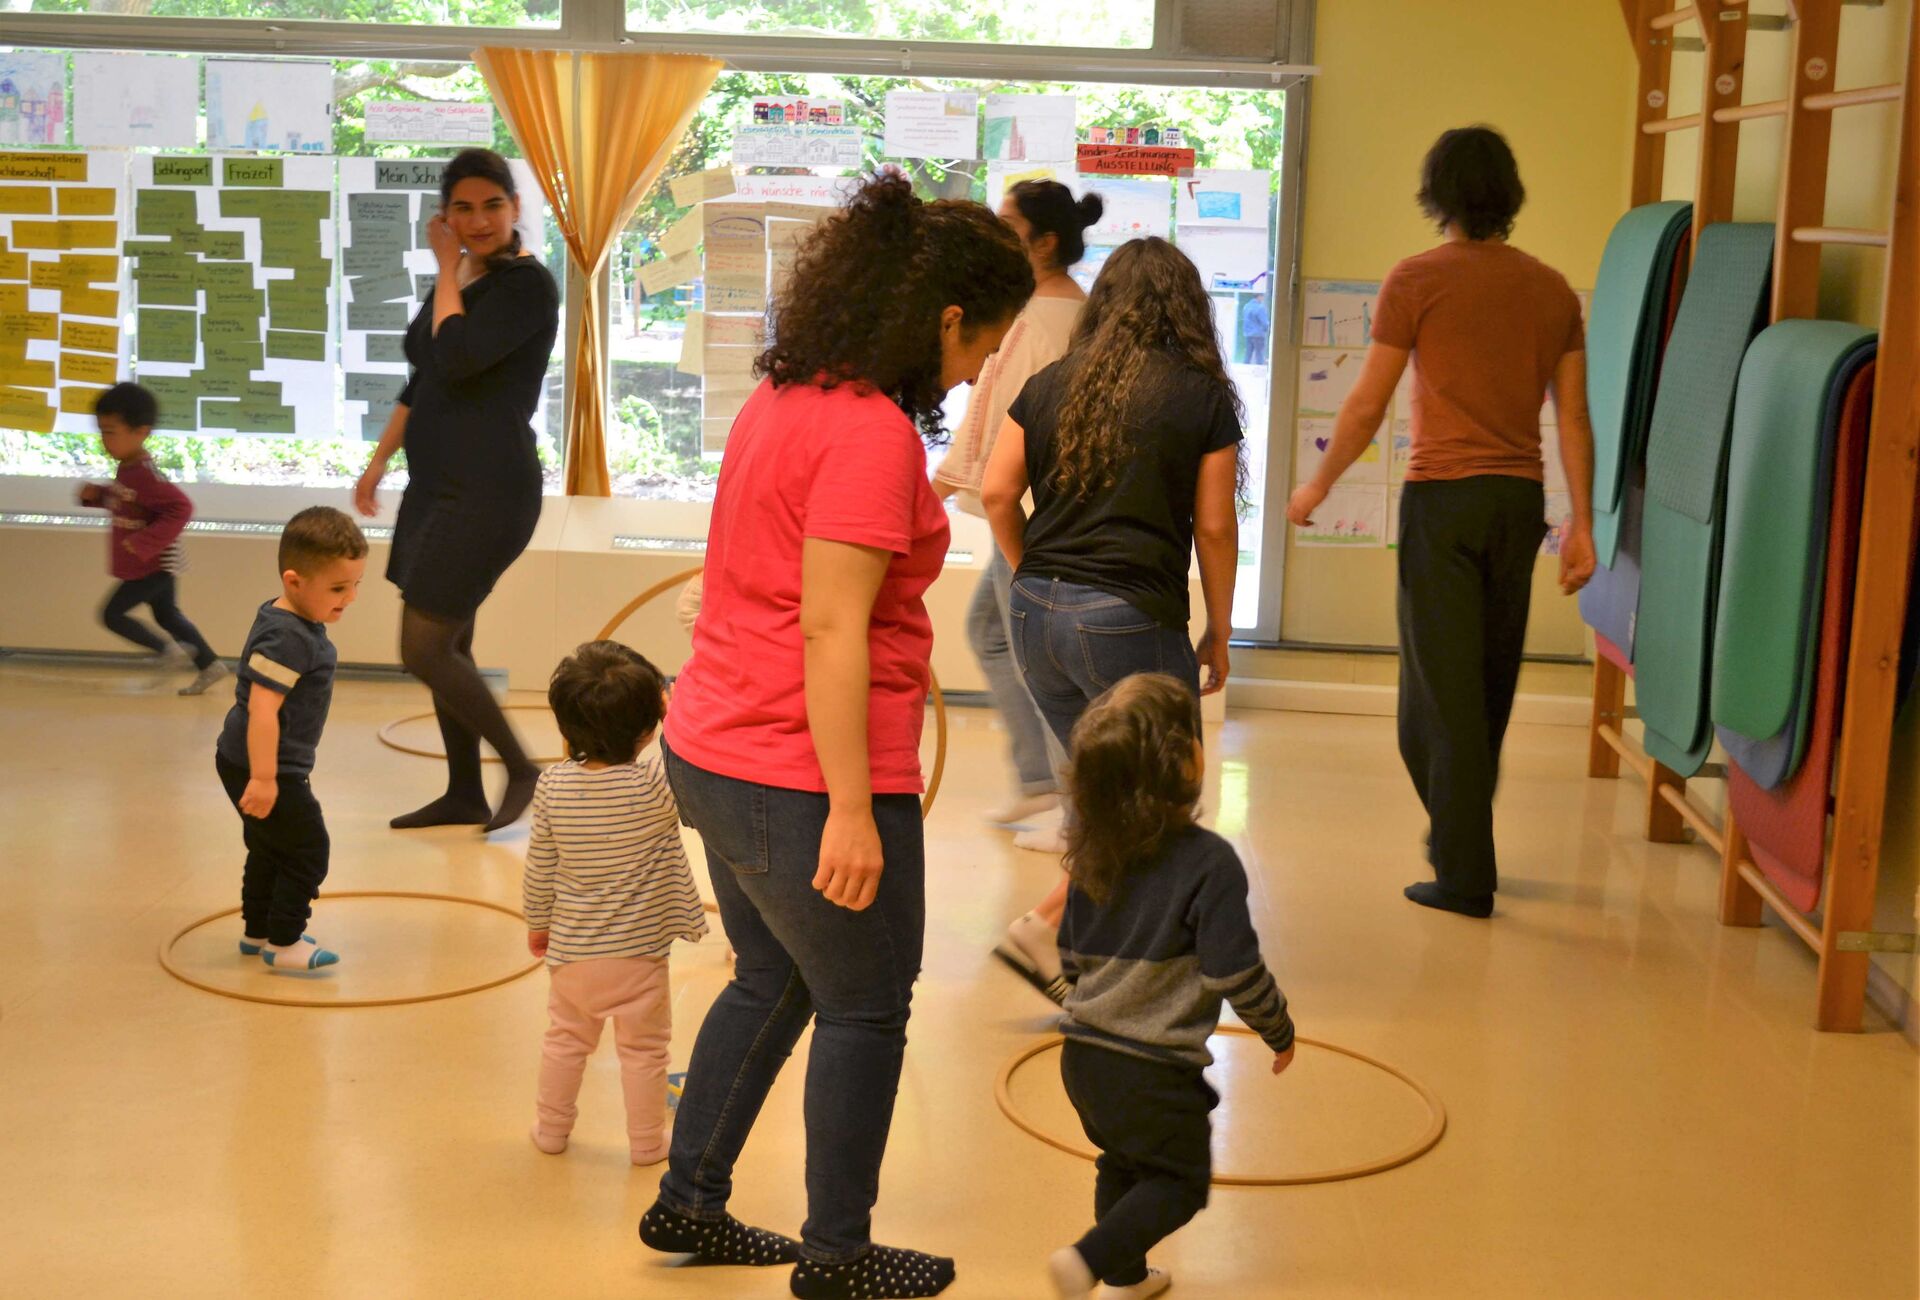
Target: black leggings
{"points": [[156, 592], [439, 651]]}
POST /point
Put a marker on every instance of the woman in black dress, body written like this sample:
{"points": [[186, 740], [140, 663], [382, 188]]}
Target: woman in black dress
{"points": [[479, 352]]}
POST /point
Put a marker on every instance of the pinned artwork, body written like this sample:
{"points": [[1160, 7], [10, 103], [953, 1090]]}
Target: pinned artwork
{"points": [[149, 101], [1338, 313], [1316, 436], [33, 98], [283, 105], [1326, 377], [1353, 516], [937, 124], [1216, 197], [60, 286], [1030, 128]]}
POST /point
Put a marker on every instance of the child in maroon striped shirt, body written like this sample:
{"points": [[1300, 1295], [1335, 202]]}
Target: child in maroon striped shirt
{"points": [[142, 545]]}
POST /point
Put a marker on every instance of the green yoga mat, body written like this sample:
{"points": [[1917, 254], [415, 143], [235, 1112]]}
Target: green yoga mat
{"points": [[1625, 325], [1774, 561], [1724, 307]]}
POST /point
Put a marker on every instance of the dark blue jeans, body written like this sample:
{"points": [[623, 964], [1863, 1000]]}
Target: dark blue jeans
{"points": [[1072, 643], [799, 957]]}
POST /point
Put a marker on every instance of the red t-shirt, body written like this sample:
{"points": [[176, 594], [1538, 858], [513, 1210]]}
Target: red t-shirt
{"points": [[841, 465]]}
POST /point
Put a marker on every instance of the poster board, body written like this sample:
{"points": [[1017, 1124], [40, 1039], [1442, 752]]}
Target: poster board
{"points": [[232, 262], [60, 286], [387, 272]]}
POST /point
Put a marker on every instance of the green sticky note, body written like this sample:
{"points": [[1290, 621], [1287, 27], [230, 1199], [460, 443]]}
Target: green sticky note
{"points": [[386, 236], [268, 172], [221, 381], [296, 345], [428, 211], [175, 170], [223, 354], [227, 275], [375, 390], [423, 285], [165, 212], [377, 315], [148, 247], [373, 424], [230, 245], [386, 347], [178, 398], [224, 301], [262, 392], [295, 307], [360, 259], [371, 208], [266, 419], [380, 288], [229, 327], [166, 335], [169, 295]]}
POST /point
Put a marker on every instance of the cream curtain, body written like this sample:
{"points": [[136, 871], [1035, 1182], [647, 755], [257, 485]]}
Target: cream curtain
{"points": [[597, 129]]}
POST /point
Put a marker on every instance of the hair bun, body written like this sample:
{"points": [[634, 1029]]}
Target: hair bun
{"points": [[885, 205], [1091, 207]]}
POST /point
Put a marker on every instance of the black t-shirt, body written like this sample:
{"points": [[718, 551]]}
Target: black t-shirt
{"points": [[1132, 539], [293, 658]]}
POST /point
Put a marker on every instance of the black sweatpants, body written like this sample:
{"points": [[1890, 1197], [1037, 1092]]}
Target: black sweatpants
{"points": [[156, 592], [286, 856], [1467, 549], [1150, 1121]]}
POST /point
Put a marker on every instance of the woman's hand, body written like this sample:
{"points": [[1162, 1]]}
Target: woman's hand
{"points": [[1305, 500], [850, 859], [365, 498], [444, 243], [1576, 558], [1212, 652]]}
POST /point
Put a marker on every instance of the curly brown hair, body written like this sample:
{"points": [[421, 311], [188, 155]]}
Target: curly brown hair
{"points": [[607, 699], [1133, 779], [1148, 301], [864, 300]]}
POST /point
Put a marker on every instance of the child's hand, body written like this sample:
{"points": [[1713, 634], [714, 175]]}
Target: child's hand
{"points": [[91, 494], [259, 797], [537, 942], [1282, 1060]]}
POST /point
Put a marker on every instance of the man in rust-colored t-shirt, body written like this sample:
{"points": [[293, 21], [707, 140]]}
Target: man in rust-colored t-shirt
{"points": [[1488, 325]]}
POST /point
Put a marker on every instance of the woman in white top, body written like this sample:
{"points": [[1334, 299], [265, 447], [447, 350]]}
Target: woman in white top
{"points": [[1053, 225]]}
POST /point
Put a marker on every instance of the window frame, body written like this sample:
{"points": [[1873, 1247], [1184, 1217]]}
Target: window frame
{"points": [[601, 26]]}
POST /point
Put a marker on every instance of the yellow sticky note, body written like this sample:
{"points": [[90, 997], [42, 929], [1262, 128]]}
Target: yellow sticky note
{"points": [[701, 186], [39, 165], [90, 234], [659, 276], [79, 400], [27, 374], [88, 268], [28, 411], [89, 302], [89, 337], [85, 369], [13, 266], [693, 344], [79, 201], [27, 200], [13, 299], [44, 273], [39, 235], [18, 325]]}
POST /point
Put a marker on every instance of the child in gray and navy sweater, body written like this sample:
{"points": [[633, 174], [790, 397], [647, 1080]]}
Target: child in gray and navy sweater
{"points": [[1156, 935]]}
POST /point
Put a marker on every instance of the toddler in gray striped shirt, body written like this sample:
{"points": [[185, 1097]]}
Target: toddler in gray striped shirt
{"points": [[607, 891]]}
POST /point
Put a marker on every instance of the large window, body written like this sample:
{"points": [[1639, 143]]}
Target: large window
{"points": [[441, 13], [1115, 24]]}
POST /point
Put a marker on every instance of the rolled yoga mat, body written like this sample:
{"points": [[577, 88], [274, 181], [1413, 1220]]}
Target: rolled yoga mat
{"points": [[1793, 391], [1724, 306], [1632, 310], [1786, 828]]}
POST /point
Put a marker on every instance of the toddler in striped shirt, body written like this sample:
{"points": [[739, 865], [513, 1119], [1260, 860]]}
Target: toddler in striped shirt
{"points": [[607, 891]]}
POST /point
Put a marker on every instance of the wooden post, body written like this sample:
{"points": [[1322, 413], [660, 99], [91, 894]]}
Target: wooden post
{"points": [[1665, 825], [1609, 709], [1725, 32], [1654, 53], [1880, 592], [1740, 903], [1803, 167]]}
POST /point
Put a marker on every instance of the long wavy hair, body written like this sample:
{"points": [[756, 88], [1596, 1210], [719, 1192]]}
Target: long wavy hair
{"points": [[868, 287], [1133, 779], [1148, 300]]}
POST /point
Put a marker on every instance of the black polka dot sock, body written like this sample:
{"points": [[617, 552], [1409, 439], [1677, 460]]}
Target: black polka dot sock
{"points": [[725, 1240], [883, 1273]]}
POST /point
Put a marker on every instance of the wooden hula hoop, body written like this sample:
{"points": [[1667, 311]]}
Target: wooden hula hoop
{"points": [[680, 579], [1002, 1093], [166, 957], [388, 740]]}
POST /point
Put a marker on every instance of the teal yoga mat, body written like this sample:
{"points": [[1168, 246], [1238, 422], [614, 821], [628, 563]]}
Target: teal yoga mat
{"points": [[1723, 308], [1773, 568], [1626, 325]]}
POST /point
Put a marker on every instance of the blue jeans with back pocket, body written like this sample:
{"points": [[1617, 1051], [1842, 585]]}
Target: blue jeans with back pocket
{"points": [[1073, 643], [799, 958]]}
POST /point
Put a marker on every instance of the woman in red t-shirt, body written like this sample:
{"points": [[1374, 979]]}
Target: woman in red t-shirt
{"points": [[793, 744]]}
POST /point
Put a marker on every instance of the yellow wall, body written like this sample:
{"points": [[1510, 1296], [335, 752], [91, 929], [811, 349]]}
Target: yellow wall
{"points": [[1557, 79]]}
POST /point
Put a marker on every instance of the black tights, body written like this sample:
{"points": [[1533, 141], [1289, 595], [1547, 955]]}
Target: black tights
{"points": [[439, 651]]}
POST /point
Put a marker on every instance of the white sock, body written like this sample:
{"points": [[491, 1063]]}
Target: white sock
{"points": [[1072, 1279], [1156, 1281]]}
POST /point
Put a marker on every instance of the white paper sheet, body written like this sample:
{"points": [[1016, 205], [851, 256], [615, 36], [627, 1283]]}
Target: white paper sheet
{"points": [[1229, 259], [923, 124], [1315, 436], [39, 110], [1326, 377], [1338, 313], [1351, 516], [1030, 128], [413, 121], [1559, 519], [142, 100], [1220, 197], [698, 187], [283, 105], [796, 146]]}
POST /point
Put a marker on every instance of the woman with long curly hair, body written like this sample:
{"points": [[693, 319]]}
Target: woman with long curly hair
{"points": [[1131, 447], [793, 743]]}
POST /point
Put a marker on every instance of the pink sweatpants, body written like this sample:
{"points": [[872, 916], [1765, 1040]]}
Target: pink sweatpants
{"points": [[633, 993]]}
